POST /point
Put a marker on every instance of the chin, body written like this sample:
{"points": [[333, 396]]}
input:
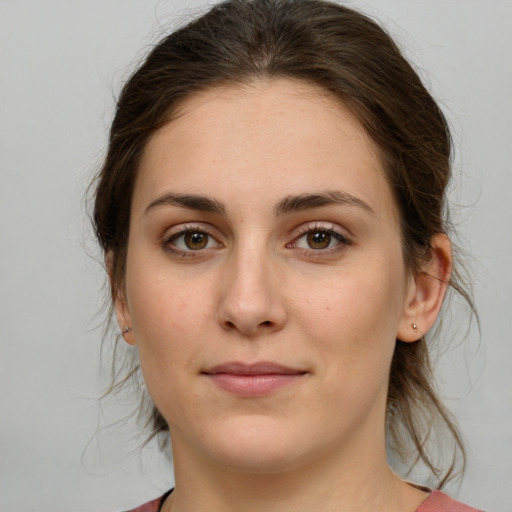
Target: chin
{"points": [[257, 445], [257, 459]]}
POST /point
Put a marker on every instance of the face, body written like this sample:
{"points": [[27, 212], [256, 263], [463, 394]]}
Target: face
{"points": [[265, 283]]}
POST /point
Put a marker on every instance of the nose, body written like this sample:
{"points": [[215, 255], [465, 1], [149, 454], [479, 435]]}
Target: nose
{"points": [[251, 301]]}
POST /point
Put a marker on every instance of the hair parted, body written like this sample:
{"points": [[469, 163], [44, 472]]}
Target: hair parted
{"points": [[349, 55]]}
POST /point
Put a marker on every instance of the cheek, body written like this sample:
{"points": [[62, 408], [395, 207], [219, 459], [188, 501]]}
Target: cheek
{"points": [[356, 300], [168, 318], [168, 324], [353, 319]]}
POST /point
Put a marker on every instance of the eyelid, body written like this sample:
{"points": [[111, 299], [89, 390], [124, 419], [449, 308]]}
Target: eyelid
{"points": [[188, 226], [180, 230], [328, 227], [317, 226]]}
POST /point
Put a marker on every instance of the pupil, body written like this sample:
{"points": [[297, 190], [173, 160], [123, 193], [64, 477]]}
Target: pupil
{"points": [[319, 240], [196, 240]]}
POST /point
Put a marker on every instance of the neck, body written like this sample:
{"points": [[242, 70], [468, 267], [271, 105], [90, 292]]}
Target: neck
{"points": [[363, 482]]}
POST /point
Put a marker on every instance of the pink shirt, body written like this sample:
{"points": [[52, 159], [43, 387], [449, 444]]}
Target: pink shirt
{"points": [[440, 502], [437, 501]]}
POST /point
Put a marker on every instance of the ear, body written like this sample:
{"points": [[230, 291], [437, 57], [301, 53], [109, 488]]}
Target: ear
{"points": [[121, 309], [426, 291]]}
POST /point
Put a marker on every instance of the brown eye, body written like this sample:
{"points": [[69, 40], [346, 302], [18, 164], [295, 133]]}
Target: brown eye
{"points": [[190, 240], [319, 239], [195, 240]]}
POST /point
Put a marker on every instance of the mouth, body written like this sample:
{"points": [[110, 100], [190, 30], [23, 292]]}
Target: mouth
{"points": [[253, 380]]}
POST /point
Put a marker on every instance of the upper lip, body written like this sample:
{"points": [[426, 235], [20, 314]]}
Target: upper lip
{"points": [[260, 368]]}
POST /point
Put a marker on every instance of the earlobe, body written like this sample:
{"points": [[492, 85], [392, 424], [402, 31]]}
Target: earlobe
{"points": [[123, 317], [120, 306], [426, 291]]}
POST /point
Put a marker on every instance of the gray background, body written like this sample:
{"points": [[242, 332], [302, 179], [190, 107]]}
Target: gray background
{"points": [[61, 63]]}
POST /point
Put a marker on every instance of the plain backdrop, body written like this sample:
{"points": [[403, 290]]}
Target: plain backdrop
{"points": [[61, 65]]}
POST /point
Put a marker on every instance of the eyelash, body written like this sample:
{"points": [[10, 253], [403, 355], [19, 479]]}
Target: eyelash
{"points": [[342, 240], [191, 253]]}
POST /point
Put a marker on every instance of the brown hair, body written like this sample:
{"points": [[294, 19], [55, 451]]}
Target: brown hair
{"points": [[352, 57]]}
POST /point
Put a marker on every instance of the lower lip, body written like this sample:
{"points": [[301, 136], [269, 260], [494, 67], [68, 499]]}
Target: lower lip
{"points": [[254, 385]]}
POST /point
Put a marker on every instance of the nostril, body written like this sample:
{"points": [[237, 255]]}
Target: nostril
{"points": [[266, 323]]}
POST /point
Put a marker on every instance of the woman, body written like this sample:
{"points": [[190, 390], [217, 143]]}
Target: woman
{"points": [[272, 211]]}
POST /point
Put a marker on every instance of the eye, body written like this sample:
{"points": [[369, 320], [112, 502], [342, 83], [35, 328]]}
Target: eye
{"points": [[190, 240], [320, 238]]}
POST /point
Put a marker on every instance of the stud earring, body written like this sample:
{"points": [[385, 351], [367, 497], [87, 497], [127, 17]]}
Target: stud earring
{"points": [[414, 327], [126, 330]]}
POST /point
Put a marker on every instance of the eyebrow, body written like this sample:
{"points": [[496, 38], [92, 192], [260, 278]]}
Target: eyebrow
{"points": [[316, 200], [292, 203], [189, 201]]}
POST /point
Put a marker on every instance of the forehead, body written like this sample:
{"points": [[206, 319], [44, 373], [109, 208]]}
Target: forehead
{"points": [[262, 139]]}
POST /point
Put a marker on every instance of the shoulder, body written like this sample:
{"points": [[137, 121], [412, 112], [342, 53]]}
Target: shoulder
{"points": [[440, 502], [151, 506], [436, 502]]}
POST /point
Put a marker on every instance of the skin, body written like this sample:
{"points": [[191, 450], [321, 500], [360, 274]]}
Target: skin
{"points": [[259, 291]]}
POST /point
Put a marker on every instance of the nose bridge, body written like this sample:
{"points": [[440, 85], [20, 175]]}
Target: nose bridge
{"points": [[250, 302]]}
